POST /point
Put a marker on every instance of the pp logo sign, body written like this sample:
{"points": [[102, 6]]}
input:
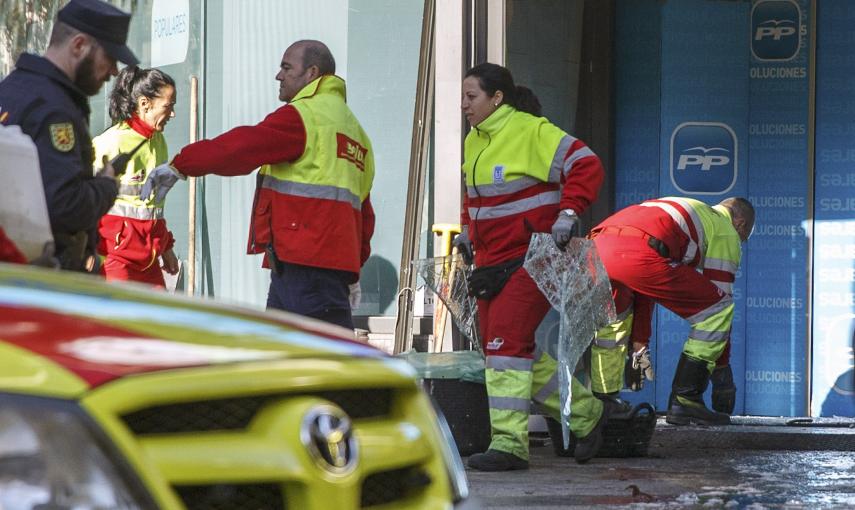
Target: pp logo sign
{"points": [[775, 29], [703, 158]]}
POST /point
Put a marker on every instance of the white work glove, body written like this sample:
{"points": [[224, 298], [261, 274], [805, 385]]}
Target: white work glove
{"points": [[638, 368], [565, 227], [355, 296], [464, 246], [160, 181]]}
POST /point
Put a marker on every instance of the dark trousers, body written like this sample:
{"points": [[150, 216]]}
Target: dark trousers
{"points": [[314, 292]]}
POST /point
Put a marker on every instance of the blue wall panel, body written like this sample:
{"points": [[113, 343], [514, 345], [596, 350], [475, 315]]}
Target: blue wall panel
{"points": [[703, 136], [775, 270], [834, 242], [733, 99], [637, 120]]}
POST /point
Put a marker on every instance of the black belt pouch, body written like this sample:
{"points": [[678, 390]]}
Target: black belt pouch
{"points": [[486, 282]]}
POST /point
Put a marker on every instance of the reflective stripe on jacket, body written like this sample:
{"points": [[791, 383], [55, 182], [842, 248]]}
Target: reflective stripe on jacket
{"points": [[316, 209], [520, 170], [121, 138]]}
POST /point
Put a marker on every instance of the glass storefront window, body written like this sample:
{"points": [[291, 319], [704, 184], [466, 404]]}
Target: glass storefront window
{"points": [[27, 26], [234, 48], [376, 47]]}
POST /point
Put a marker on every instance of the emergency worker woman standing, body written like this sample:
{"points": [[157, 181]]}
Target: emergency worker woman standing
{"points": [[523, 175], [133, 233]]}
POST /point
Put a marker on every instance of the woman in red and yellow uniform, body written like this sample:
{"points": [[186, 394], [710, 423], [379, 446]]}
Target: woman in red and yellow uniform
{"points": [[523, 175], [133, 233]]}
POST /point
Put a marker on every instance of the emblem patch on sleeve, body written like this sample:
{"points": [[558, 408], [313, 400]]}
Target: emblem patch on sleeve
{"points": [[62, 136]]}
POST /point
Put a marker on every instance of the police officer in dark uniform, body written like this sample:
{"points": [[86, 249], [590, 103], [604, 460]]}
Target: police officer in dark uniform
{"points": [[48, 97]]}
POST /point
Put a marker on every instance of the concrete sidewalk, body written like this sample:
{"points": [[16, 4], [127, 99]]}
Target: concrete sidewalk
{"points": [[755, 463]]}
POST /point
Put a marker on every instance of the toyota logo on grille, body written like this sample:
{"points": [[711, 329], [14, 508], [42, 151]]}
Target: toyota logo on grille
{"points": [[327, 433]]}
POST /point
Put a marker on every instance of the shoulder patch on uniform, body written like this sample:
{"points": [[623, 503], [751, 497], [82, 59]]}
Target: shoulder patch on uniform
{"points": [[62, 136], [498, 174]]}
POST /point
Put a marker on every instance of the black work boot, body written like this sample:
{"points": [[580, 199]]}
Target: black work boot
{"points": [[686, 405], [495, 460], [620, 408], [556, 437], [723, 390], [588, 446]]}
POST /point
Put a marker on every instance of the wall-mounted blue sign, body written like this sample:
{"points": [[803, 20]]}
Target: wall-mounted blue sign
{"points": [[704, 158], [775, 29]]}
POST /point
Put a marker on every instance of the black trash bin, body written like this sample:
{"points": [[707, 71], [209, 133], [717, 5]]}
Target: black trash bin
{"points": [[465, 407], [455, 381]]}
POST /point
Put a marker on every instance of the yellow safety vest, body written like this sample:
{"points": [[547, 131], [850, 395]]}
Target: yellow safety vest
{"points": [[313, 206], [121, 138]]}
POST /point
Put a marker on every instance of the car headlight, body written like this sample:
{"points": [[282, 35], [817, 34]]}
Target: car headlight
{"points": [[50, 457], [453, 463]]}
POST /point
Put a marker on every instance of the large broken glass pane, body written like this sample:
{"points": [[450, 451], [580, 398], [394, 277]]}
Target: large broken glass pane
{"points": [[576, 284], [447, 277]]}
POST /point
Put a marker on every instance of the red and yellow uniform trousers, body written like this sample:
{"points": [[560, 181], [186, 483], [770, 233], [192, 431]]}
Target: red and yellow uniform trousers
{"points": [[693, 235], [515, 377], [635, 269]]}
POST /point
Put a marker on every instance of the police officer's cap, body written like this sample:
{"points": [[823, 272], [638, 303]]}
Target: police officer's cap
{"points": [[108, 24]]}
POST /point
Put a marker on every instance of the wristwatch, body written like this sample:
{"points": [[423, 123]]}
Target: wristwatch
{"points": [[569, 212]]}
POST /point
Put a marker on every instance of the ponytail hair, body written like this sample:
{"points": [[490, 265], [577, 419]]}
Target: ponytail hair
{"points": [[526, 101], [493, 77], [131, 84]]}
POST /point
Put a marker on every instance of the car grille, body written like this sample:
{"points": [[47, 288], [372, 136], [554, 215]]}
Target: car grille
{"points": [[249, 440], [377, 489], [237, 413], [232, 497], [389, 486]]}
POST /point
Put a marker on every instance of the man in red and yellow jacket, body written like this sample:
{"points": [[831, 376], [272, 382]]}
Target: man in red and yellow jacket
{"points": [[683, 254], [312, 212]]}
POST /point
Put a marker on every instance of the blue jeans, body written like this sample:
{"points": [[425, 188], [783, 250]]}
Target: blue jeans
{"points": [[312, 291]]}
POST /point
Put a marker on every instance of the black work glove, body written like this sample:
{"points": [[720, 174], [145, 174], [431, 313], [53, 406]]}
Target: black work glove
{"points": [[464, 246], [565, 228]]}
